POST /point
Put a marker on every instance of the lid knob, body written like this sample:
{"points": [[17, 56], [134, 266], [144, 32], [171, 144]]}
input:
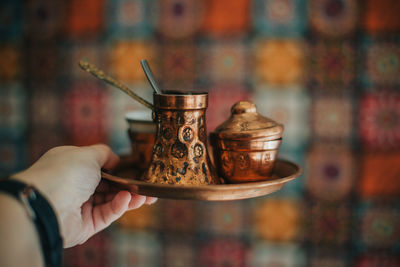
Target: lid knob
{"points": [[243, 107]]}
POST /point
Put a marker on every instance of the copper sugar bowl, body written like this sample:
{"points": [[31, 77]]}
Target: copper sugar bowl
{"points": [[180, 154], [142, 133], [246, 145]]}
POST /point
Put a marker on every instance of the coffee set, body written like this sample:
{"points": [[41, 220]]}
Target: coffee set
{"points": [[170, 154]]}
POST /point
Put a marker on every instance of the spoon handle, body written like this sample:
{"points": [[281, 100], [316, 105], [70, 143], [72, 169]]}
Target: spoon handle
{"points": [[92, 69], [150, 76]]}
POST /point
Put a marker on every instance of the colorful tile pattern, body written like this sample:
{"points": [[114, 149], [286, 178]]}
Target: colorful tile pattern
{"points": [[278, 219], [379, 120], [382, 62], [327, 69], [332, 117], [332, 64], [331, 172], [379, 174], [279, 62], [329, 224], [130, 18], [269, 254], [95, 252], [334, 18], [84, 109], [179, 18], [178, 65], [381, 16], [279, 18], [223, 252], [13, 111], [226, 61], [84, 18], [226, 18], [379, 227]]}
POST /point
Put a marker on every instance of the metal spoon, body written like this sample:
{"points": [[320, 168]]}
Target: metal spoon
{"points": [[150, 76], [92, 69]]}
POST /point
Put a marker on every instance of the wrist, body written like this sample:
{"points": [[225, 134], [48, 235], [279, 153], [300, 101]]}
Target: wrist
{"points": [[41, 214], [18, 235]]}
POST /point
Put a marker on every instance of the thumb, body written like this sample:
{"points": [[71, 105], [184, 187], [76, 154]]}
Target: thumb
{"points": [[103, 155]]}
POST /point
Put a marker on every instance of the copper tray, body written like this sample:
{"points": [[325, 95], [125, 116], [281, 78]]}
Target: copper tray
{"points": [[284, 172]]}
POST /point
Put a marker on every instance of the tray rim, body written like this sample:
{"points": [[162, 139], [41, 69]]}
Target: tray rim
{"points": [[217, 187]]}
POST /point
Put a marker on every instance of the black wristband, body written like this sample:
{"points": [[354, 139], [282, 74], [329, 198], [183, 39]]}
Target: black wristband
{"points": [[43, 217]]}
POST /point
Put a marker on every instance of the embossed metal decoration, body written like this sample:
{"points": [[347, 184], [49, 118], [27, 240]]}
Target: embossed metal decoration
{"points": [[180, 152], [246, 145]]}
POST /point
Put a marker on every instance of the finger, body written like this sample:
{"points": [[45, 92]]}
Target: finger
{"points": [[101, 198], [136, 201], [105, 214], [98, 199], [104, 156], [151, 200]]}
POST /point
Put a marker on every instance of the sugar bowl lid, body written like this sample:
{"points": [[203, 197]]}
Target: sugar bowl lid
{"points": [[246, 123]]}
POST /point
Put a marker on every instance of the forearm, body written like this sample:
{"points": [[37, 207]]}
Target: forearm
{"points": [[19, 241]]}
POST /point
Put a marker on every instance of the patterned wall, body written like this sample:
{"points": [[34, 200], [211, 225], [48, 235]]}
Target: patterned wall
{"points": [[328, 69]]}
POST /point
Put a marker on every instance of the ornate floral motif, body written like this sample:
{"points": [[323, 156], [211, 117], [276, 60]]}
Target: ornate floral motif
{"points": [[178, 150], [179, 18], [158, 149], [279, 62], [84, 113], [279, 17], [179, 216], [93, 252], [379, 120], [331, 172], [129, 18], [277, 254], [226, 61], [379, 227], [219, 252], [329, 224], [277, 220], [334, 17], [332, 118], [178, 65], [198, 150], [13, 102], [243, 161], [382, 66], [166, 132], [227, 163], [123, 53], [332, 64]]}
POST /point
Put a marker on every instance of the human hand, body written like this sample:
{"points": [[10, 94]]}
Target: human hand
{"points": [[70, 179]]}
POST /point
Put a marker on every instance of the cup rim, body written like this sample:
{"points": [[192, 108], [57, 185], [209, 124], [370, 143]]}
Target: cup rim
{"points": [[147, 118]]}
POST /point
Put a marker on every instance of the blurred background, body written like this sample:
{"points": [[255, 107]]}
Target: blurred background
{"points": [[328, 69]]}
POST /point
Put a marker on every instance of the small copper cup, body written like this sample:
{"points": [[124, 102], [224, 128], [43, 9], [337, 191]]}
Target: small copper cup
{"points": [[142, 133], [246, 145]]}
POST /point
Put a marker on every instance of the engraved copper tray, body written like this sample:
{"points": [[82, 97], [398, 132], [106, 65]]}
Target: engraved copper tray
{"points": [[123, 176]]}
